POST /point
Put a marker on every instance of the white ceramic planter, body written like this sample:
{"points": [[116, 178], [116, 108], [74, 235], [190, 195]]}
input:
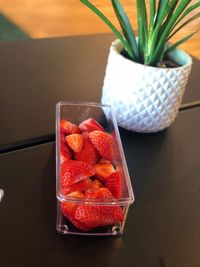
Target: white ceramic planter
{"points": [[144, 99]]}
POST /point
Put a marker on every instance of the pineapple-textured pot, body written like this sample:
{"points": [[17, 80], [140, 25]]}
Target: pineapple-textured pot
{"points": [[144, 98]]}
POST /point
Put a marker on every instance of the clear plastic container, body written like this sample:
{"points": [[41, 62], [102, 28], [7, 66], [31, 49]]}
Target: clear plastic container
{"points": [[85, 215]]}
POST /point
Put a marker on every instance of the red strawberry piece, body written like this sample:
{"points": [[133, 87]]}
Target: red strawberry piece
{"points": [[74, 171], [88, 153], [62, 131], [102, 160], [102, 141], [98, 215], [113, 183], [103, 171], [92, 215], [68, 209], [67, 127], [80, 186], [90, 125], [81, 226], [116, 153], [103, 193], [62, 158], [65, 153], [75, 142], [95, 185]]}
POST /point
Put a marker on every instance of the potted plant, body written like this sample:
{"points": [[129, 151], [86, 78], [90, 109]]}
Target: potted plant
{"points": [[146, 76]]}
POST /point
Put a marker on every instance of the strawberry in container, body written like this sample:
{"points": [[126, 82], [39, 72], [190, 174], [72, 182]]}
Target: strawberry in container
{"points": [[93, 186]]}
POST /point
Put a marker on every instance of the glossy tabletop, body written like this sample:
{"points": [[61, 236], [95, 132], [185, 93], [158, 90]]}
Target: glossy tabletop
{"points": [[36, 74]]}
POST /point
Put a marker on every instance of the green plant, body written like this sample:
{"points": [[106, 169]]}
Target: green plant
{"points": [[165, 19]]}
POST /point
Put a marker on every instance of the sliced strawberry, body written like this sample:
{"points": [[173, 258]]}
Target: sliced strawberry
{"points": [[67, 127], [102, 141], [98, 215], [68, 209], [102, 160], [113, 183], [90, 125], [75, 142], [62, 158], [62, 131], [95, 185], [103, 193], [116, 152], [81, 226], [103, 171], [74, 171], [88, 153], [80, 186], [92, 215], [65, 153]]}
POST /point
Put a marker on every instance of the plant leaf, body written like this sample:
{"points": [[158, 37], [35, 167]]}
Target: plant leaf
{"points": [[170, 13], [152, 5], [126, 28], [187, 11], [112, 27], [180, 42], [161, 10], [142, 28], [164, 35], [152, 42], [185, 23]]}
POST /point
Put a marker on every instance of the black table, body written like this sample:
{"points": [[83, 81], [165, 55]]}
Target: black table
{"points": [[163, 226], [36, 74]]}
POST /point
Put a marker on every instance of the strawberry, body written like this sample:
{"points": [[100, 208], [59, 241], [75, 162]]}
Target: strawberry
{"points": [[98, 215], [103, 193], [65, 153], [68, 209], [113, 183], [103, 171], [62, 131], [67, 127], [81, 186], [75, 142], [90, 125], [115, 147], [92, 215], [88, 153], [102, 160], [74, 171], [95, 185], [102, 141], [81, 226]]}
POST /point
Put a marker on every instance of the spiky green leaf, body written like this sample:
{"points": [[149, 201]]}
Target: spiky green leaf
{"points": [[152, 5], [180, 42], [185, 13], [163, 37], [184, 24], [112, 27], [126, 28], [142, 28]]}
